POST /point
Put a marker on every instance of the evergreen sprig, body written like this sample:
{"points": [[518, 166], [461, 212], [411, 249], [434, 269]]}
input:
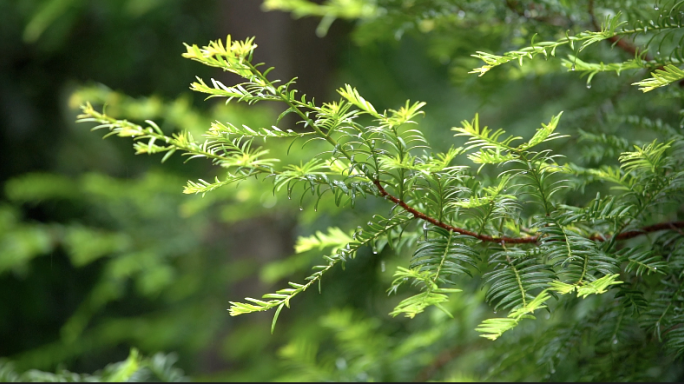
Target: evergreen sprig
{"points": [[364, 237], [661, 77], [613, 29], [587, 38]]}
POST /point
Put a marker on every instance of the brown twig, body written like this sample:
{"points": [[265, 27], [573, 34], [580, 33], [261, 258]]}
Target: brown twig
{"points": [[676, 229], [623, 44], [422, 216], [648, 229], [520, 240], [620, 43]]}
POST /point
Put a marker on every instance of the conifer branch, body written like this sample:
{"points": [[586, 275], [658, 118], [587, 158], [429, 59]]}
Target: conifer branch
{"points": [[673, 225], [382, 160], [616, 40], [422, 216]]}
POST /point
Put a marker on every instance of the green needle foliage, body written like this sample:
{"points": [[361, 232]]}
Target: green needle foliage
{"points": [[135, 368], [523, 236]]}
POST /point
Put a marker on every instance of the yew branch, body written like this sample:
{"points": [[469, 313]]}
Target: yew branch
{"points": [[672, 225]]}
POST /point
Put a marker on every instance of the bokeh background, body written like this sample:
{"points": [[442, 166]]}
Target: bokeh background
{"points": [[100, 252]]}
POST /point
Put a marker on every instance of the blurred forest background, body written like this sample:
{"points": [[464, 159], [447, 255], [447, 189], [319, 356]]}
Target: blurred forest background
{"points": [[100, 252]]}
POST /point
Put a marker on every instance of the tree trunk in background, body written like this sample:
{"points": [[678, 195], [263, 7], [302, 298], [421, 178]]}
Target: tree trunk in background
{"points": [[292, 47]]}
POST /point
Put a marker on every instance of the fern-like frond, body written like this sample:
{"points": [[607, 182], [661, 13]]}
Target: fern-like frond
{"points": [[611, 174], [599, 146], [598, 286], [232, 56], [585, 289], [484, 138], [544, 134], [660, 316], [222, 130], [648, 157], [576, 258], [660, 78], [353, 96], [641, 261], [492, 329], [403, 115], [201, 186], [245, 92], [228, 153], [335, 238], [548, 48], [674, 340], [366, 236], [632, 299], [516, 275], [431, 294], [491, 156], [590, 70], [445, 253]]}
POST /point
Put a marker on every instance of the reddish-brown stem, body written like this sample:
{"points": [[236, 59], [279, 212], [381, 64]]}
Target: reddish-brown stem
{"points": [[520, 240], [647, 229], [422, 216], [620, 43]]}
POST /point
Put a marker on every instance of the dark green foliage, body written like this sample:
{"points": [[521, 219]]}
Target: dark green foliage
{"points": [[158, 368]]}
